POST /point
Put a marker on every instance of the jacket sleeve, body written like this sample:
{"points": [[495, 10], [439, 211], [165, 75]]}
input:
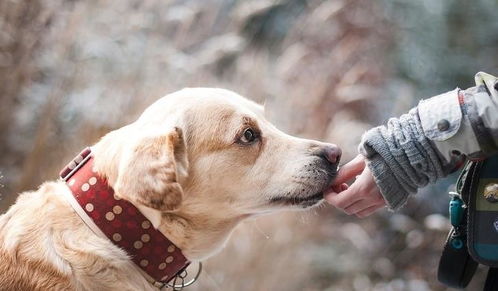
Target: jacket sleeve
{"points": [[431, 140], [475, 132]]}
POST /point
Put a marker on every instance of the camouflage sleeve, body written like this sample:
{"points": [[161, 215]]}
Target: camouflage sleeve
{"points": [[464, 121]]}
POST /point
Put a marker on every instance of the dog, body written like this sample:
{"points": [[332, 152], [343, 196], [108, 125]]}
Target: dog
{"points": [[196, 163]]}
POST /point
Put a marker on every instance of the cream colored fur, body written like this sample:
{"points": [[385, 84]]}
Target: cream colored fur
{"points": [[184, 165]]}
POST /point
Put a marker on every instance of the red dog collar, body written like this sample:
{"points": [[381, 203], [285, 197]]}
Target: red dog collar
{"points": [[120, 221]]}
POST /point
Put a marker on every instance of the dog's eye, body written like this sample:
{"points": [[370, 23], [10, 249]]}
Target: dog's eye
{"points": [[249, 136]]}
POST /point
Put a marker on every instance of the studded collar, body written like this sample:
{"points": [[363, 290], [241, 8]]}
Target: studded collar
{"points": [[121, 222]]}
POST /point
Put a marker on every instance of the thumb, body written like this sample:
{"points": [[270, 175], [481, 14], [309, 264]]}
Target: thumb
{"points": [[350, 170]]}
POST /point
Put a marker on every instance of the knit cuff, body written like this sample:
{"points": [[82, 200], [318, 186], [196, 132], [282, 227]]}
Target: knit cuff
{"points": [[378, 154], [394, 194], [401, 158]]}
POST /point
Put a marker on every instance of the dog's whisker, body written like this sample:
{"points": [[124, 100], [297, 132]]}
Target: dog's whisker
{"points": [[256, 225]]}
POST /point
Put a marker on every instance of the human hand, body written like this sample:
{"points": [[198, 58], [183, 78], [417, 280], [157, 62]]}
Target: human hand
{"points": [[363, 197]]}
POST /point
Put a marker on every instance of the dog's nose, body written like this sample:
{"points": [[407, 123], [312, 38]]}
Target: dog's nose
{"points": [[332, 153]]}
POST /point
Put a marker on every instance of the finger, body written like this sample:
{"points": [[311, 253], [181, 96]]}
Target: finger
{"points": [[359, 206], [350, 170], [369, 211], [344, 199], [335, 189]]}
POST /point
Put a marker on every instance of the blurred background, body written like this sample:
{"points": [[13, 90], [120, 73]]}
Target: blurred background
{"points": [[70, 71]]}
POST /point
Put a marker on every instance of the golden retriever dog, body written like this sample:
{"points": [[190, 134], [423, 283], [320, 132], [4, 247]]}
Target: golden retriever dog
{"points": [[196, 163]]}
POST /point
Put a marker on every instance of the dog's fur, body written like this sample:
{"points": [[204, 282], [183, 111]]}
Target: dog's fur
{"points": [[188, 168]]}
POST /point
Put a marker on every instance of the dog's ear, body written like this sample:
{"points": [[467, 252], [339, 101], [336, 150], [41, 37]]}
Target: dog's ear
{"points": [[150, 170]]}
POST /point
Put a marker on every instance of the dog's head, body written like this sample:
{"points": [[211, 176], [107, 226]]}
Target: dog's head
{"points": [[206, 154]]}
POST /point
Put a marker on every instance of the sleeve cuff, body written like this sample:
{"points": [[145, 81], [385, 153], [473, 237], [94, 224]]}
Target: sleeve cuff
{"points": [[392, 192], [441, 116]]}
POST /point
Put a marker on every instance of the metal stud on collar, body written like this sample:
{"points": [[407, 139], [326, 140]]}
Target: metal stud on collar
{"points": [[178, 283]]}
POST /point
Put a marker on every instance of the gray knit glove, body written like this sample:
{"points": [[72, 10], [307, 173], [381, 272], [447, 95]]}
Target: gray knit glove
{"points": [[401, 158]]}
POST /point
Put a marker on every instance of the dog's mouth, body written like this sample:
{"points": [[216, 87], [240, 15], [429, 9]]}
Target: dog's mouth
{"points": [[307, 194], [304, 202]]}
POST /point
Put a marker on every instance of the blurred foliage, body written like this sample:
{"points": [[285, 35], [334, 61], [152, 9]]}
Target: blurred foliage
{"points": [[70, 71], [440, 44]]}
